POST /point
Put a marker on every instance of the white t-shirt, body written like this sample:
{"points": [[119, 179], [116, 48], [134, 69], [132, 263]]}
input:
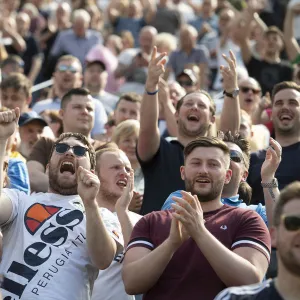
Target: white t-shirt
{"points": [[45, 254], [109, 284]]}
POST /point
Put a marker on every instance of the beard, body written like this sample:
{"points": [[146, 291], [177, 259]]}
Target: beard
{"points": [[66, 189], [212, 194], [202, 130], [107, 193], [289, 260]]}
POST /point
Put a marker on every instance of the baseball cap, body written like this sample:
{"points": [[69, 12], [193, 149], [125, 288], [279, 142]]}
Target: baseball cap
{"points": [[190, 73], [97, 61], [31, 116]]}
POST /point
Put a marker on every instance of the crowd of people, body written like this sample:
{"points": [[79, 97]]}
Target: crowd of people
{"points": [[150, 149]]}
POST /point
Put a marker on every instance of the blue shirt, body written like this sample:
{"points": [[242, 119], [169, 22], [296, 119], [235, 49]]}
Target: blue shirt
{"points": [[18, 175], [232, 201]]}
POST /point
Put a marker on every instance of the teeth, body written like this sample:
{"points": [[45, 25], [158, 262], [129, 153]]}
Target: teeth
{"points": [[122, 182]]}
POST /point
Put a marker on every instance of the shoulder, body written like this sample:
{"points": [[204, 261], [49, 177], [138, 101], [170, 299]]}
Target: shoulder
{"points": [[247, 292], [257, 156]]}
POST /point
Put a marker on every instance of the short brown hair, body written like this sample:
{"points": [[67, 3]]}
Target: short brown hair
{"points": [[205, 142], [273, 30], [212, 107], [131, 97], [289, 193], [68, 57], [284, 85], [73, 92], [80, 137], [17, 81], [109, 147]]}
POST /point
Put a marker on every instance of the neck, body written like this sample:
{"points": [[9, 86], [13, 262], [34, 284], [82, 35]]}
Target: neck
{"points": [[135, 164], [184, 140], [227, 193], [206, 15], [211, 205], [187, 50], [105, 202], [287, 284], [95, 90], [60, 92], [272, 57], [287, 140]]}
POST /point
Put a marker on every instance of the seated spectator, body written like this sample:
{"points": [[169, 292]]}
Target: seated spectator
{"points": [[189, 53], [127, 40], [165, 42], [12, 64], [54, 121], [95, 80], [208, 236], [31, 127], [125, 136], [16, 92], [78, 40], [284, 232], [189, 80]]}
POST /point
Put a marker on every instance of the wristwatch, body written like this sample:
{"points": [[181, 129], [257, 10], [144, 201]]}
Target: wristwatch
{"points": [[233, 94], [272, 184]]}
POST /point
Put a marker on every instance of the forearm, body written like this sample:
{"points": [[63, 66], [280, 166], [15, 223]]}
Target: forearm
{"points": [[101, 246], [17, 41], [35, 68], [126, 225], [136, 280], [2, 158], [169, 112], [222, 259], [231, 115], [259, 22], [257, 115]]}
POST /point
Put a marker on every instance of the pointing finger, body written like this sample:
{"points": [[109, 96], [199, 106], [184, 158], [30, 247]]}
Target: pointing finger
{"points": [[159, 58], [154, 52]]}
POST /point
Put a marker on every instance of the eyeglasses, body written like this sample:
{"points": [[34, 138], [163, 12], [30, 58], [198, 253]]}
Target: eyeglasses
{"points": [[62, 148], [245, 89], [186, 83], [236, 156], [65, 68], [291, 223]]}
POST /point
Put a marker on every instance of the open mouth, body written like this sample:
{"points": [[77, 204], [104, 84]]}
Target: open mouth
{"points": [[203, 180], [193, 118], [248, 100], [122, 183], [285, 117], [67, 166]]}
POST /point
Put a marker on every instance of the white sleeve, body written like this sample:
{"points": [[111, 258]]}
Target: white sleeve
{"points": [[112, 225], [100, 119]]}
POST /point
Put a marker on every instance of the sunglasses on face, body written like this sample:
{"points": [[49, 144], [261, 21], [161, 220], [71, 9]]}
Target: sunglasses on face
{"points": [[65, 68], [186, 83], [236, 156], [247, 89], [62, 148], [291, 223]]}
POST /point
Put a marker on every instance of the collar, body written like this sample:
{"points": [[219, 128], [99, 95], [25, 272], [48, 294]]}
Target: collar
{"points": [[232, 201]]}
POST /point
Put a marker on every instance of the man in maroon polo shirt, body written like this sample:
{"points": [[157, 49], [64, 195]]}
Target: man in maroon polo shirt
{"points": [[201, 246]]}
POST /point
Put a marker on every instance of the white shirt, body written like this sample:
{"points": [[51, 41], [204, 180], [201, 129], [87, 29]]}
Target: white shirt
{"points": [[45, 255]]}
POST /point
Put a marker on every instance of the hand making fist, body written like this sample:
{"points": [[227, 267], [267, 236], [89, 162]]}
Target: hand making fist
{"points": [[8, 123]]}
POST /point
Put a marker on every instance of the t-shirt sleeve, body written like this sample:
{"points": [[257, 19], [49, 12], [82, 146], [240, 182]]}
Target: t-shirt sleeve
{"points": [[140, 236], [112, 225], [41, 151], [203, 55], [252, 232], [100, 119], [18, 175]]}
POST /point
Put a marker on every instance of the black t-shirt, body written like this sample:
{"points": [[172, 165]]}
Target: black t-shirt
{"points": [[32, 49], [268, 74], [162, 175], [287, 172], [261, 291]]}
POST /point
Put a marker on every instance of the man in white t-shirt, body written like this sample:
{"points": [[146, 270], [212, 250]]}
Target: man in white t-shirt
{"points": [[116, 191], [54, 243]]}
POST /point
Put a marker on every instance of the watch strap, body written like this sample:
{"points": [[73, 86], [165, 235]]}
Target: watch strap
{"points": [[272, 184]]}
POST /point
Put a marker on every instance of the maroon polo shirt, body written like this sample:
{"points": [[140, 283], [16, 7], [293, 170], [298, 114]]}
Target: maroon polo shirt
{"points": [[188, 274]]}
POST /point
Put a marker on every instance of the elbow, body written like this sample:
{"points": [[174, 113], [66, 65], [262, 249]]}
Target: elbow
{"points": [[130, 284], [252, 277], [103, 263]]}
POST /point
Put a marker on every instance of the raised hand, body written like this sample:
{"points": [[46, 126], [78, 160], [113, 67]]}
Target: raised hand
{"points": [[229, 73], [136, 202], [272, 161], [189, 213], [124, 201], [156, 69], [164, 91], [8, 123], [88, 186], [265, 101]]}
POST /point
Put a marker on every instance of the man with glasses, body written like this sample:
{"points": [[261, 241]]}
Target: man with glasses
{"points": [[63, 237], [285, 232], [68, 75]]}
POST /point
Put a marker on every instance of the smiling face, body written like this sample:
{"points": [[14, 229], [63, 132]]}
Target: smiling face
{"points": [[205, 172], [113, 171], [288, 242], [286, 112], [127, 110], [194, 116], [63, 167], [249, 94]]}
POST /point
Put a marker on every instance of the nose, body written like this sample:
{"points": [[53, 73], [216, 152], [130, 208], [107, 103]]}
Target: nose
{"points": [[70, 152]]}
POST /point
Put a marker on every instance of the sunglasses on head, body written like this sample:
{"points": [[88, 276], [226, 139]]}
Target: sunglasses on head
{"points": [[236, 156], [62, 148], [291, 223], [186, 83], [245, 89], [65, 68]]}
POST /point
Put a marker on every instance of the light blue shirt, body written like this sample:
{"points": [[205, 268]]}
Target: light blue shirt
{"points": [[18, 175]]}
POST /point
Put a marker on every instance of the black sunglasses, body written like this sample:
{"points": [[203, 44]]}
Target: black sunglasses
{"points": [[62, 148], [65, 68], [236, 156], [245, 89], [291, 223], [186, 83]]}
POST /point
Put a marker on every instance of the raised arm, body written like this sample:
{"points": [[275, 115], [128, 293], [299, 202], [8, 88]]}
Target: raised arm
{"points": [[291, 45], [149, 137], [268, 170], [231, 112], [260, 116], [17, 41], [8, 124], [113, 11], [149, 7], [101, 246]]}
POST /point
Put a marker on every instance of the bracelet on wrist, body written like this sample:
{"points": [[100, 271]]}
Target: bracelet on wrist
{"points": [[151, 93]]}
